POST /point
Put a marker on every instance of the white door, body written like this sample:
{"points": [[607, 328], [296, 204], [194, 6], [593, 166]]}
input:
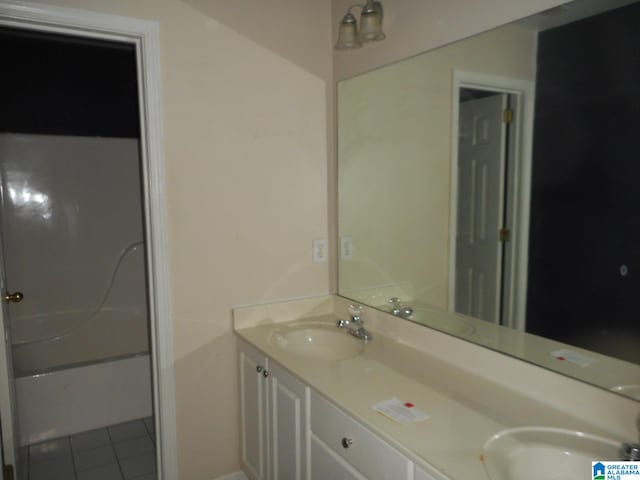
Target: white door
{"points": [[481, 171], [7, 385]]}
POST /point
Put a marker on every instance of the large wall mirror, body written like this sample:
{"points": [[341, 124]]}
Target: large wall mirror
{"points": [[491, 189]]}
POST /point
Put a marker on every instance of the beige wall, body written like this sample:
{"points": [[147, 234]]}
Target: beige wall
{"points": [[244, 92], [395, 164]]}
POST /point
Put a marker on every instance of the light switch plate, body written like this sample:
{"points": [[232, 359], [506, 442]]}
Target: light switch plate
{"points": [[346, 248], [320, 250]]}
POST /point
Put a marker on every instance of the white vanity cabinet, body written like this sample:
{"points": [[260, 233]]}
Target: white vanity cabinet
{"points": [[273, 416], [290, 432]]}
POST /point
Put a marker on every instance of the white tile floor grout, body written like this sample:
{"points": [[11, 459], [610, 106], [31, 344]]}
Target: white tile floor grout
{"points": [[119, 452]]}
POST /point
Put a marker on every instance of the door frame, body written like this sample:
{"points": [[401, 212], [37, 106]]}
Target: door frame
{"points": [[515, 300], [144, 35]]}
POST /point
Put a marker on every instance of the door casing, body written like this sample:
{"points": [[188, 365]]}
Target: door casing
{"points": [[145, 37]]}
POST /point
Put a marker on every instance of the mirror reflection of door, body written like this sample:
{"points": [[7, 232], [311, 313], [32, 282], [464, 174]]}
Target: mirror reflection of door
{"points": [[485, 120]]}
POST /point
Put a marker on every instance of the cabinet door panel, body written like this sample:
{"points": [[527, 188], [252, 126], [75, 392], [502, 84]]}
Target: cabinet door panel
{"points": [[325, 464], [288, 410], [252, 399]]}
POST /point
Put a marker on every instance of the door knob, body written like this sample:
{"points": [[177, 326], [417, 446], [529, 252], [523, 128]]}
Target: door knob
{"points": [[14, 297]]}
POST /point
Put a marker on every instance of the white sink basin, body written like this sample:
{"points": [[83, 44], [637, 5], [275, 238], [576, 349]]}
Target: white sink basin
{"points": [[534, 453], [317, 341]]}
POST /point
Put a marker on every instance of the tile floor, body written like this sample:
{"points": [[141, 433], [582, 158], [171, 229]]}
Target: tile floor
{"points": [[120, 452]]}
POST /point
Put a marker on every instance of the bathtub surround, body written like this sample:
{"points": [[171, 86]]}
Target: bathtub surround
{"points": [[74, 205], [73, 400]]}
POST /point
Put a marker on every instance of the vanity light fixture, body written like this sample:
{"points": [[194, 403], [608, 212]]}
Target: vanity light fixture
{"points": [[349, 36]]}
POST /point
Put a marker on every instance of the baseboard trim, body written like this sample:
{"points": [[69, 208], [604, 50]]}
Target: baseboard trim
{"points": [[233, 476]]}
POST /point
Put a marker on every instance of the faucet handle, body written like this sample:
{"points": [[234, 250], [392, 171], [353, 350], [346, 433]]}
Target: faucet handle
{"points": [[356, 314]]}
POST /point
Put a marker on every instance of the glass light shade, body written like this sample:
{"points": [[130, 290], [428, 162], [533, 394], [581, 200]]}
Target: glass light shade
{"points": [[348, 33], [371, 22]]}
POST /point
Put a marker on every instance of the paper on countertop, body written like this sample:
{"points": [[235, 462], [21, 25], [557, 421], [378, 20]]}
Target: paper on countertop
{"points": [[401, 412], [573, 357]]}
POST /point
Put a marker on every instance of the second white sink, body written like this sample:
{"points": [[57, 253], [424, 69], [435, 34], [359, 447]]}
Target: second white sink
{"points": [[532, 453], [316, 340]]}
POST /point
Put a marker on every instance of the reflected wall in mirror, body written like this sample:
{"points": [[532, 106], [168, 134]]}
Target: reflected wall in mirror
{"points": [[497, 177]]}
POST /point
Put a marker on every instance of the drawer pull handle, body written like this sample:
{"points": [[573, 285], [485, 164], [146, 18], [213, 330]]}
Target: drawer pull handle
{"points": [[266, 373], [347, 442], [259, 369]]}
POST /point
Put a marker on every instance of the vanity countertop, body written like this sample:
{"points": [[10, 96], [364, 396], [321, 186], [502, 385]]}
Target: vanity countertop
{"points": [[470, 393], [451, 439]]}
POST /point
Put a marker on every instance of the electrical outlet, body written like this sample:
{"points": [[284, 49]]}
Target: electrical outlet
{"points": [[346, 248], [320, 250]]}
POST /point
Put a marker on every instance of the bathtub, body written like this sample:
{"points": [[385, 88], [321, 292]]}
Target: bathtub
{"points": [[80, 398]]}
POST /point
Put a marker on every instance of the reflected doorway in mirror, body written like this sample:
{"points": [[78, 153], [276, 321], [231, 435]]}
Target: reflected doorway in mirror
{"points": [[491, 127]]}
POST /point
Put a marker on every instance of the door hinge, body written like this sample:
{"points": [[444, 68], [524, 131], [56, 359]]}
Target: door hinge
{"points": [[504, 235], [8, 472], [507, 116]]}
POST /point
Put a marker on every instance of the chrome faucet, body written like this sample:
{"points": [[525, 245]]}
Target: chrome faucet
{"points": [[398, 310], [354, 326], [631, 451]]}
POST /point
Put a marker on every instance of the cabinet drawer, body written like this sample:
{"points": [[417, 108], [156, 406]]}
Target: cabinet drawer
{"points": [[325, 464], [367, 453]]}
